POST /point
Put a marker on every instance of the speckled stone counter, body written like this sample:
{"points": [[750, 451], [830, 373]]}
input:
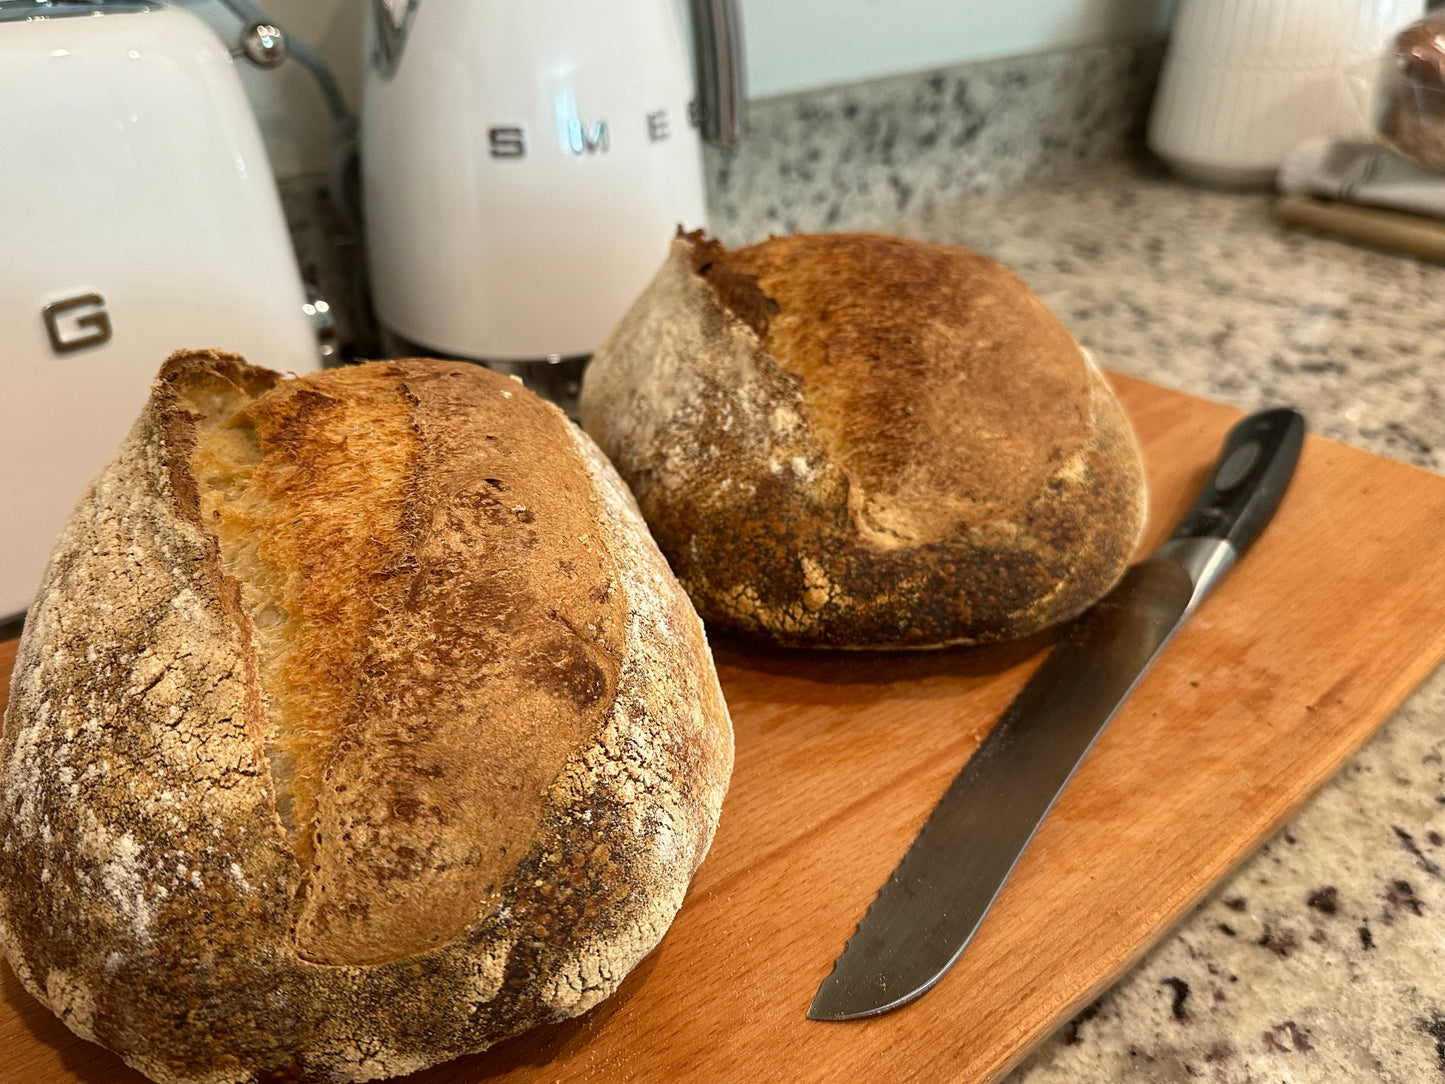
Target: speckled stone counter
{"points": [[846, 157], [1322, 959]]}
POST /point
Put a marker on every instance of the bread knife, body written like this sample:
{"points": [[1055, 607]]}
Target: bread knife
{"points": [[926, 914]]}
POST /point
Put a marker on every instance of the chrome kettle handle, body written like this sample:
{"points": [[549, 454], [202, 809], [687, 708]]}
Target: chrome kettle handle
{"points": [[721, 94], [392, 19]]}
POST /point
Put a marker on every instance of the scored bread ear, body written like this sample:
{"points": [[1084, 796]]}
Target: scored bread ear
{"points": [[862, 441], [359, 721]]}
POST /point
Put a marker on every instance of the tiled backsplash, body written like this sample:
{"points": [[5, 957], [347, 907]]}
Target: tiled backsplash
{"points": [[859, 156]]}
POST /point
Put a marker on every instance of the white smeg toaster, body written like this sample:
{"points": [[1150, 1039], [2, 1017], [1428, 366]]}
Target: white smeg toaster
{"points": [[138, 215]]}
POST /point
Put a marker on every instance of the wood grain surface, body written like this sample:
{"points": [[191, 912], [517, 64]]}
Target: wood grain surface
{"points": [[1308, 646]]}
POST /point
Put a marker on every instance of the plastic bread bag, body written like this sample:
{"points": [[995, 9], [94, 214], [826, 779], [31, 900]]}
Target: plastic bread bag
{"points": [[1409, 94]]}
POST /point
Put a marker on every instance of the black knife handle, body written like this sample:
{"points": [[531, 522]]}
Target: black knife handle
{"points": [[1249, 479]]}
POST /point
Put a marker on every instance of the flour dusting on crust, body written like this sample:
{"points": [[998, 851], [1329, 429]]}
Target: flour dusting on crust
{"points": [[149, 892]]}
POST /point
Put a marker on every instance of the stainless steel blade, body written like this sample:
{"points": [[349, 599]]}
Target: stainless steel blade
{"points": [[929, 909]]}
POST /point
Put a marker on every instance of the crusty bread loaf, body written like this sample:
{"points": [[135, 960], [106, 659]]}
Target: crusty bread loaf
{"points": [[1412, 93], [358, 725], [862, 441]]}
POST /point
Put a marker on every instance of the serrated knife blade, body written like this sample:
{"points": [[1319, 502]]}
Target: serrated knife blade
{"points": [[929, 909]]}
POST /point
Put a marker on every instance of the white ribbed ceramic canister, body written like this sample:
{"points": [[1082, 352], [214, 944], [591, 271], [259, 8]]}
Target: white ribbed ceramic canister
{"points": [[1246, 81]]}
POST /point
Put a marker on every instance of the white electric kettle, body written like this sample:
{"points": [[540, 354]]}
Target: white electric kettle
{"points": [[525, 165]]}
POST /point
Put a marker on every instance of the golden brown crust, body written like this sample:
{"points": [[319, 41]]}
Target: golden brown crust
{"points": [[908, 451], [909, 356], [150, 893]]}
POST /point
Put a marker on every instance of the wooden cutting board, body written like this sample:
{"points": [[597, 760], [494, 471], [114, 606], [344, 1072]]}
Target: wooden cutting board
{"points": [[1309, 645]]}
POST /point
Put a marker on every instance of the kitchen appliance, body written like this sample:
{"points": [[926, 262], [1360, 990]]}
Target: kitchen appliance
{"points": [[525, 165], [138, 215], [930, 908], [1246, 81]]}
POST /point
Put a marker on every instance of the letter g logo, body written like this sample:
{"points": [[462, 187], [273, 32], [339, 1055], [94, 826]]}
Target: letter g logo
{"points": [[77, 322]]}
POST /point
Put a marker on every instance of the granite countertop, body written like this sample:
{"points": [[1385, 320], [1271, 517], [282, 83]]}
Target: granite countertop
{"points": [[1322, 958]]}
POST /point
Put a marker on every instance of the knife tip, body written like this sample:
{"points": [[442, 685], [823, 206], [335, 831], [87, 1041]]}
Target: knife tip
{"points": [[835, 1002], [820, 1009], [847, 995], [830, 1003]]}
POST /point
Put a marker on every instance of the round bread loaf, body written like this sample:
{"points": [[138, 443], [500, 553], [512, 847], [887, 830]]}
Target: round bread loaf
{"points": [[357, 725], [860, 441], [1412, 93]]}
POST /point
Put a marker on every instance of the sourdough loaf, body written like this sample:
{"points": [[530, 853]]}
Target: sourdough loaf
{"points": [[358, 725], [862, 441], [1412, 93]]}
